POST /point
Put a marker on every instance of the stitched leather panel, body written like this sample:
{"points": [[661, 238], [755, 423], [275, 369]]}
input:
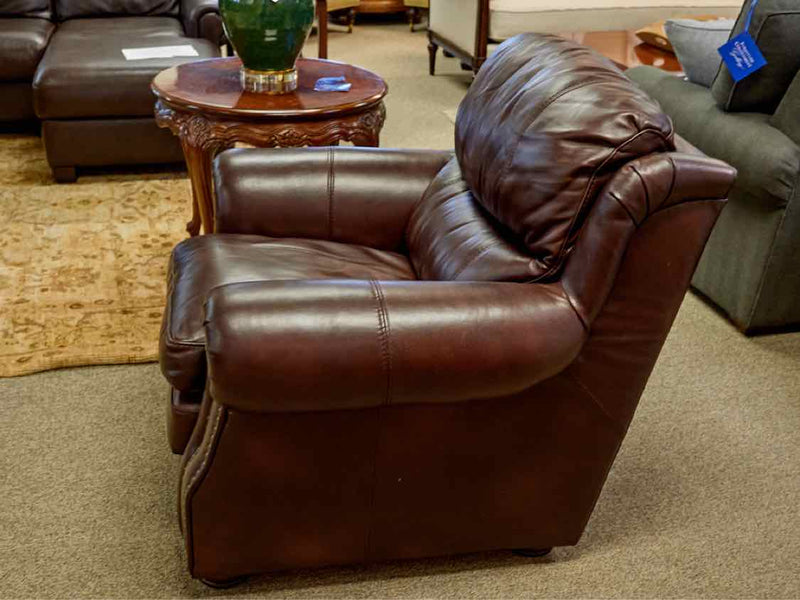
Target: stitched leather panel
{"points": [[450, 237]]}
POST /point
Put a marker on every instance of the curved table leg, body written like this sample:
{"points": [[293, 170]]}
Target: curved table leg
{"points": [[198, 162]]}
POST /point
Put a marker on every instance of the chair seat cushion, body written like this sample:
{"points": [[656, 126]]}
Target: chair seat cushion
{"points": [[84, 73], [202, 263], [22, 44]]}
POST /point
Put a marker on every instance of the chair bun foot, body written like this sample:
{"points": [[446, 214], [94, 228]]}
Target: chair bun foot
{"points": [[223, 584], [531, 552]]}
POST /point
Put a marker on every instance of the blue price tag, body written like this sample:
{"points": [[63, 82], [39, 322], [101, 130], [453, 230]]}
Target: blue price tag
{"points": [[742, 56]]}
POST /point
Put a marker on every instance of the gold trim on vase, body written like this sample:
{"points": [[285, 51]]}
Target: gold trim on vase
{"points": [[269, 82]]}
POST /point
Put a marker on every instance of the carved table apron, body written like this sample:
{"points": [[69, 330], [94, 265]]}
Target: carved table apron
{"points": [[202, 136]]}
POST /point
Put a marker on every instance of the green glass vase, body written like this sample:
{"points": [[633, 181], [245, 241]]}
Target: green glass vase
{"points": [[268, 36]]}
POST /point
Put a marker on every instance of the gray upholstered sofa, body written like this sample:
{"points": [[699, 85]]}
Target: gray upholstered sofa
{"points": [[751, 265]]}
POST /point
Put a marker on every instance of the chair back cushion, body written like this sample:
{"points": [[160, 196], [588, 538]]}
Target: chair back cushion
{"points": [[543, 127], [71, 9], [25, 8], [452, 237]]}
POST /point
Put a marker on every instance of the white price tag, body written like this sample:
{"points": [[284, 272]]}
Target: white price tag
{"points": [[158, 52]]}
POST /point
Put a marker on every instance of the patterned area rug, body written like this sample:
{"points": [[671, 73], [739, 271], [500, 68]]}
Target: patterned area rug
{"points": [[82, 266]]}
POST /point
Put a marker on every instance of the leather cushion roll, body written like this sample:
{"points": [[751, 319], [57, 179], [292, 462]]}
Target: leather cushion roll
{"points": [[775, 28], [202, 263], [84, 73], [451, 237], [70, 9], [542, 128], [25, 8], [22, 44]]}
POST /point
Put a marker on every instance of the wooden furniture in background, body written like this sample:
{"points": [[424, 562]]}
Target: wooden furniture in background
{"points": [[347, 8], [381, 6], [322, 28], [414, 9], [203, 103], [467, 28], [627, 50]]}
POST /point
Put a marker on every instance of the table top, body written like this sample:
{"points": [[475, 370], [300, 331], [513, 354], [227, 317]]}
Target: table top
{"points": [[214, 86], [627, 50]]}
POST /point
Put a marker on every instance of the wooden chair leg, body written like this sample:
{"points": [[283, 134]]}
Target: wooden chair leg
{"points": [[351, 20], [432, 48]]}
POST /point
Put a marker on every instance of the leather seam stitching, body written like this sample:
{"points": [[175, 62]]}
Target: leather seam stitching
{"points": [[207, 453], [575, 310], [672, 181], [644, 186], [383, 337], [625, 208], [331, 177], [169, 308], [474, 256], [212, 445], [616, 425], [562, 251], [593, 178]]}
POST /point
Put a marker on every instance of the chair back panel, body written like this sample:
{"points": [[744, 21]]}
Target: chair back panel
{"points": [[71, 9], [25, 8], [544, 125]]}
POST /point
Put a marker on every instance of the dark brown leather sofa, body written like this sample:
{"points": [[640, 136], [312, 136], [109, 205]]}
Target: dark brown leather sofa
{"points": [[25, 30], [407, 353], [64, 64]]}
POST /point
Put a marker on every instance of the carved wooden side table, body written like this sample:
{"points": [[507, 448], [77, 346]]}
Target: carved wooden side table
{"points": [[203, 103]]}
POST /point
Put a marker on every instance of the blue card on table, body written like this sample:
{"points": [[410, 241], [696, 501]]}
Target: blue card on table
{"points": [[742, 56]]}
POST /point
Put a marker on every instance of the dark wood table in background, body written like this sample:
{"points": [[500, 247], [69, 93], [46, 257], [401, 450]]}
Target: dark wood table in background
{"points": [[381, 6], [203, 103], [625, 49]]}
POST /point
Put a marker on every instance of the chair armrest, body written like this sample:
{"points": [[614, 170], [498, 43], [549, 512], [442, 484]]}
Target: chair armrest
{"points": [[201, 18], [352, 195], [294, 346], [786, 116]]}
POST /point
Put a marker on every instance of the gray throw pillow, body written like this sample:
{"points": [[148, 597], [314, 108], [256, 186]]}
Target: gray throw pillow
{"points": [[695, 44], [776, 30]]}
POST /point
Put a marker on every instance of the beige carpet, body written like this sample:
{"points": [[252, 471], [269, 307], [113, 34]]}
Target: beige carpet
{"points": [[702, 502], [82, 266]]}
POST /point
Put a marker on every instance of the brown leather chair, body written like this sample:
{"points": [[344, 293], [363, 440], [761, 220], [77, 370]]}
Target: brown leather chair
{"points": [[406, 354]]}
